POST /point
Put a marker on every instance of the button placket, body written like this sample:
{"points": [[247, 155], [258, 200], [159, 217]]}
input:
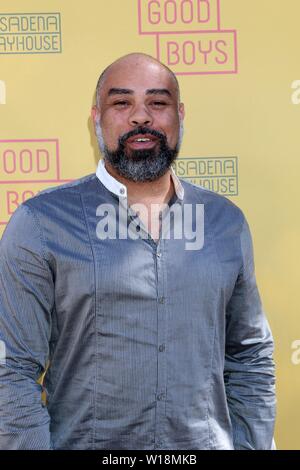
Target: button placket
{"points": [[161, 338]]}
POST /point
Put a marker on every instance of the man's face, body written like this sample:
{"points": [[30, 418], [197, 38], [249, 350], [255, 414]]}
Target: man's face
{"points": [[138, 120]]}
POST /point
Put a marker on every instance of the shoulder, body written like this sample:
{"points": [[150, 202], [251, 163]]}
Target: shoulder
{"points": [[216, 206], [59, 195], [71, 186], [27, 219]]}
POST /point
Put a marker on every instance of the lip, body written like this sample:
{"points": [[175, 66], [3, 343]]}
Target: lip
{"points": [[141, 136], [132, 143]]}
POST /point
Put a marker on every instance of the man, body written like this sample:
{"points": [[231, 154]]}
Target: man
{"points": [[152, 343]]}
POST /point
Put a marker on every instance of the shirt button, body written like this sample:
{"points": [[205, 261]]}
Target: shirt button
{"points": [[158, 254], [122, 190], [161, 348], [161, 396], [161, 300]]}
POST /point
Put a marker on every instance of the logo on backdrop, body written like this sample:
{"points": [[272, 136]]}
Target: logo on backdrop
{"points": [[218, 174], [296, 92], [26, 167], [189, 37], [2, 92], [30, 33]]}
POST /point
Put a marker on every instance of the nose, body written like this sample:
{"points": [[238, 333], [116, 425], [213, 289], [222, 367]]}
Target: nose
{"points": [[140, 116]]}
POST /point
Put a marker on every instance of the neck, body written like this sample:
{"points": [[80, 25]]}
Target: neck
{"points": [[159, 191]]}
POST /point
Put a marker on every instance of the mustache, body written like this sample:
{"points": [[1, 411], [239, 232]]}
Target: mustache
{"points": [[142, 131]]}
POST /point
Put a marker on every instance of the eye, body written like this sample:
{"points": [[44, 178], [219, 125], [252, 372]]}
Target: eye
{"points": [[121, 103], [159, 104]]}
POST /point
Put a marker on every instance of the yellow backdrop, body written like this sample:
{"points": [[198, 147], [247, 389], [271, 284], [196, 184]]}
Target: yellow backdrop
{"points": [[238, 66]]}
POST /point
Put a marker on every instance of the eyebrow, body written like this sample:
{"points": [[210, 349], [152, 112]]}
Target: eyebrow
{"points": [[127, 91], [158, 91], [119, 91]]}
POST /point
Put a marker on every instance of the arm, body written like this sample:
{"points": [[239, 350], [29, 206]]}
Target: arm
{"points": [[249, 366], [26, 301]]}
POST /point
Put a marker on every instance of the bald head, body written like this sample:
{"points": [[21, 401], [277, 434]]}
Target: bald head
{"points": [[134, 61]]}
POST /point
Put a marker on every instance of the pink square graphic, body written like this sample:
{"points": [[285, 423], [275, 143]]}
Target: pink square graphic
{"points": [[36, 180], [141, 32], [160, 4], [24, 182], [222, 72]]}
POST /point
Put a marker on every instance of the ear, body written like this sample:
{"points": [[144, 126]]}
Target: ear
{"points": [[95, 114], [181, 111]]}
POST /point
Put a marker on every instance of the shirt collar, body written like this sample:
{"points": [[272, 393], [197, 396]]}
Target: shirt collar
{"points": [[120, 190]]}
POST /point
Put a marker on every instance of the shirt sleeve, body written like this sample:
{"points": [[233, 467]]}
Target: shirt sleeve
{"points": [[26, 302], [249, 371]]}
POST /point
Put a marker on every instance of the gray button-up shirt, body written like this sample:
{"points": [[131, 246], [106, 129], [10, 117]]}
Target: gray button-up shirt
{"points": [[149, 345]]}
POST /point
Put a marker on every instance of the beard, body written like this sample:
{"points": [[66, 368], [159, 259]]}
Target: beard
{"points": [[140, 165]]}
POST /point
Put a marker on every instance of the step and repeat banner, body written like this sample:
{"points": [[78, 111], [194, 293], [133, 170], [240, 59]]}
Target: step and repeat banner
{"points": [[237, 62]]}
